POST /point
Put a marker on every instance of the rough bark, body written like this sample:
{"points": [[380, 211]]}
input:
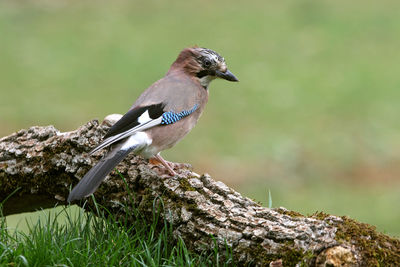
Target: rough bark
{"points": [[44, 163]]}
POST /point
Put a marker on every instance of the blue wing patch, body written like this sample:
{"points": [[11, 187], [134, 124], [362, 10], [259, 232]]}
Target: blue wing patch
{"points": [[170, 117]]}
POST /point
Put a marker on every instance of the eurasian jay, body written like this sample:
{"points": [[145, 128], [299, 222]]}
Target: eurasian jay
{"points": [[161, 116]]}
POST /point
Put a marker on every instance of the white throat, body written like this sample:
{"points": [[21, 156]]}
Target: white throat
{"points": [[205, 81]]}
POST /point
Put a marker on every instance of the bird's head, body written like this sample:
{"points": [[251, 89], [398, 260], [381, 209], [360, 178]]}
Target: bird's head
{"points": [[203, 64]]}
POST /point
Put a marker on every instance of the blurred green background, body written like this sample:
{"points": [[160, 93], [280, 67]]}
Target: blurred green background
{"points": [[314, 119]]}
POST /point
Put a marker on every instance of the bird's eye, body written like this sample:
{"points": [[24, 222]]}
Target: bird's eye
{"points": [[207, 63]]}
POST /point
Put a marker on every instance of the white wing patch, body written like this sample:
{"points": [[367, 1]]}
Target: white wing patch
{"points": [[144, 117], [117, 137], [137, 141]]}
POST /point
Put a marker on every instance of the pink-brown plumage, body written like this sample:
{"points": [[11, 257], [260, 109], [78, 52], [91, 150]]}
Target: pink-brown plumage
{"points": [[143, 130]]}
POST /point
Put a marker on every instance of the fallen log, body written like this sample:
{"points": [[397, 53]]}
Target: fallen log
{"points": [[45, 163]]}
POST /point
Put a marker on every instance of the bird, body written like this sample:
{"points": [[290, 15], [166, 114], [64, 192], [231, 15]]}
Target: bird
{"points": [[160, 117]]}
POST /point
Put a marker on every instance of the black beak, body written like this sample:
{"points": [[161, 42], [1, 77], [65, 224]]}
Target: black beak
{"points": [[227, 75]]}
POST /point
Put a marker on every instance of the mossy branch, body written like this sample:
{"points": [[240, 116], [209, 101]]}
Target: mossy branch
{"points": [[45, 163]]}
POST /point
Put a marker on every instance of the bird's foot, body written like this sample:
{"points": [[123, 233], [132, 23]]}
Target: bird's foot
{"points": [[169, 166], [156, 162]]}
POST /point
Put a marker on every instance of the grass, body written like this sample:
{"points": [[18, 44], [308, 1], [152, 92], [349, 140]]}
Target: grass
{"points": [[314, 117], [83, 239]]}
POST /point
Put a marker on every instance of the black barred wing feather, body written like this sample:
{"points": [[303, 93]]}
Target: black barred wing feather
{"points": [[170, 117]]}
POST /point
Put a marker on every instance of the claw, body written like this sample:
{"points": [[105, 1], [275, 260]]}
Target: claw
{"points": [[158, 159]]}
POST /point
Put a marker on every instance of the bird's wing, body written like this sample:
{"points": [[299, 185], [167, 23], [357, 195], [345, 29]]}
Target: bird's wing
{"points": [[136, 119], [139, 119]]}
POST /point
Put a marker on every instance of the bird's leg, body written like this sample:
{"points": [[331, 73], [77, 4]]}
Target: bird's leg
{"points": [[158, 159]]}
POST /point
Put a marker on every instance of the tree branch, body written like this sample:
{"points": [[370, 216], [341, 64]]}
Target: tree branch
{"points": [[45, 163]]}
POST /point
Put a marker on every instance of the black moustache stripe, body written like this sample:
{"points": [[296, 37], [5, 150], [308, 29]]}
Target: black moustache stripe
{"points": [[202, 73]]}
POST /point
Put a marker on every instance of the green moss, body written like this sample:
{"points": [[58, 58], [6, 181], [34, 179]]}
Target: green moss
{"points": [[288, 255], [178, 202], [319, 215], [376, 249], [185, 184], [146, 202], [293, 214]]}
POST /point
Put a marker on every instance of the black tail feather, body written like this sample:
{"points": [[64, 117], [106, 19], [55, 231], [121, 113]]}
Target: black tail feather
{"points": [[91, 181]]}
